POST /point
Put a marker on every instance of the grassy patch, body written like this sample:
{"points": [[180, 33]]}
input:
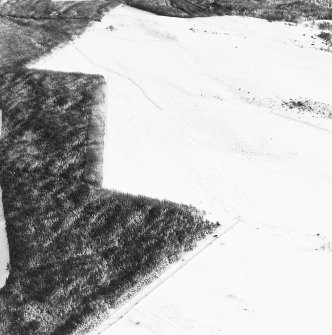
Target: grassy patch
{"points": [[75, 249]]}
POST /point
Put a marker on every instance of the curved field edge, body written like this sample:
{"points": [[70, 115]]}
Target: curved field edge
{"points": [[75, 250]]}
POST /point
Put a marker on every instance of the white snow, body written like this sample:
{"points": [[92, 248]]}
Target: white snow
{"points": [[195, 115]]}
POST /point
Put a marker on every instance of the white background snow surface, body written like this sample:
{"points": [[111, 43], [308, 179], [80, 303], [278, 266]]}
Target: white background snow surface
{"points": [[195, 115]]}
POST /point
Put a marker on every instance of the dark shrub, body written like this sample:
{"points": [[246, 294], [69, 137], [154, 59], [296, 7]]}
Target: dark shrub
{"points": [[325, 36]]}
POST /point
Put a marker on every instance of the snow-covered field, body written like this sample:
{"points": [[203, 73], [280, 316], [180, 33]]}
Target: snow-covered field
{"points": [[195, 115]]}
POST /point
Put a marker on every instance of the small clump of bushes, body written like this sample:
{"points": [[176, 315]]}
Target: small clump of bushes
{"points": [[325, 25], [325, 36]]}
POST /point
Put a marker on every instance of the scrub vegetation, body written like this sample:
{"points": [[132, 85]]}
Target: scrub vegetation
{"points": [[310, 106], [325, 25], [273, 10], [75, 249], [325, 36]]}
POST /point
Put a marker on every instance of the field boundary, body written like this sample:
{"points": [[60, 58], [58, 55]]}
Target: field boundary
{"points": [[117, 314]]}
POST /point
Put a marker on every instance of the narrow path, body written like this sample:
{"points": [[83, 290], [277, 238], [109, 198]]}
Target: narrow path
{"points": [[155, 104]]}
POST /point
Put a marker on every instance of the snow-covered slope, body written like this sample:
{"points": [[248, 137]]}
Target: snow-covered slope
{"points": [[195, 115]]}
